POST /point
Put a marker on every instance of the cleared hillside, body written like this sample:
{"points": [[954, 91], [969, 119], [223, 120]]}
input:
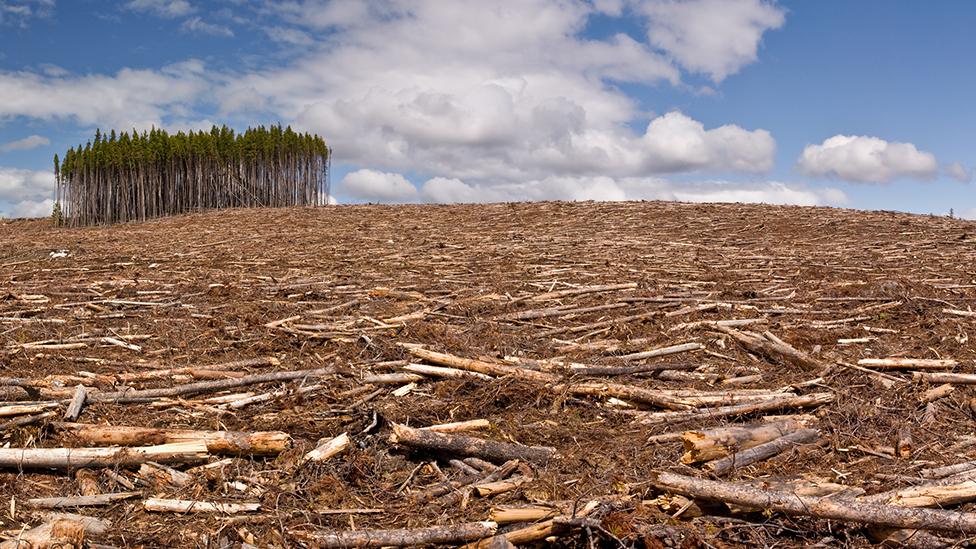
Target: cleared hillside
{"points": [[553, 300]]}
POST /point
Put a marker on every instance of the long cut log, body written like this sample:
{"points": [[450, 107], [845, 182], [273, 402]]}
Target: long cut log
{"points": [[218, 442], [804, 401], [763, 451], [73, 458], [469, 446], [846, 510], [722, 441], [95, 500], [432, 535]]}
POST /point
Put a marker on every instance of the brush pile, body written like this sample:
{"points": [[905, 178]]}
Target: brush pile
{"points": [[638, 375]]}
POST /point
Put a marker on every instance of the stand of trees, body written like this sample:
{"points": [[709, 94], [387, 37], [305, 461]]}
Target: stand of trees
{"points": [[127, 177]]}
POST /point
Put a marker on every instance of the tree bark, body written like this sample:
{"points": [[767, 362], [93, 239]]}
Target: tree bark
{"points": [[845, 510], [469, 446], [433, 535]]}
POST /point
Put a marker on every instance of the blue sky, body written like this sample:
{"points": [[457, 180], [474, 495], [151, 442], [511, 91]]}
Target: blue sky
{"points": [[858, 104]]}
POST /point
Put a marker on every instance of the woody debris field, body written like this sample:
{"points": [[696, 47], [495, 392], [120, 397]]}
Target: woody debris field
{"points": [[648, 375]]}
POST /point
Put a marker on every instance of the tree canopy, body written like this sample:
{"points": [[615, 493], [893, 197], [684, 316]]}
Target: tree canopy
{"points": [[135, 176]]}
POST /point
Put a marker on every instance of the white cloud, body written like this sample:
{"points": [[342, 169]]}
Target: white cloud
{"points": [[289, 35], [19, 184], [714, 37], [21, 11], [29, 208], [866, 159], [162, 8], [449, 191], [958, 172], [27, 143], [500, 91], [129, 98], [376, 186], [199, 26]]}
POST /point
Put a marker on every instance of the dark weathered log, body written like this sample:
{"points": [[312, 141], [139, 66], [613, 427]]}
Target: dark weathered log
{"points": [[469, 446], [846, 510], [760, 452], [432, 535]]}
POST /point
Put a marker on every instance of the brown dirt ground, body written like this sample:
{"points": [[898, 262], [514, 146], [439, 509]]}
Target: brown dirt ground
{"points": [[229, 273]]}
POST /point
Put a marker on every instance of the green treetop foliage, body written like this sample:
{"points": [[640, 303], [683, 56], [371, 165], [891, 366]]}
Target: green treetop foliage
{"points": [[136, 176]]}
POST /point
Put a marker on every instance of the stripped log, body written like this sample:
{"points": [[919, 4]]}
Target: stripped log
{"points": [[328, 449], [24, 409], [457, 426], [217, 442], [77, 403], [722, 441], [161, 505], [772, 347], [845, 510], [663, 351], [205, 386], [432, 535], [760, 452], [534, 532], [448, 486], [944, 377], [72, 458], [96, 500], [58, 532], [908, 363], [440, 371], [469, 446], [805, 401], [583, 290]]}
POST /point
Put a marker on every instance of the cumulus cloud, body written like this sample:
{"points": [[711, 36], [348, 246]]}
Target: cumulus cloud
{"points": [[375, 186], [452, 191], [713, 37], [866, 160], [21, 11], [503, 91], [18, 184], [958, 172], [128, 98], [199, 26], [162, 8], [29, 208], [27, 143]]}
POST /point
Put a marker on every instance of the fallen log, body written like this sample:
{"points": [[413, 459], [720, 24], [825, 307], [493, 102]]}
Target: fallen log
{"points": [[457, 426], [72, 458], [469, 446], [908, 363], [846, 510], [534, 532], [663, 351], [96, 500], [760, 452], [440, 371], [805, 401], [432, 535], [58, 532], [328, 449], [217, 442], [161, 505], [716, 443], [772, 347], [583, 290], [133, 395], [77, 403], [944, 377]]}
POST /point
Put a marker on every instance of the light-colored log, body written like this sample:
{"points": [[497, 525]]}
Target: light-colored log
{"points": [[805, 401], [161, 505], [469, 446], [431, 535], [217, 442], [72, 458], [944, 377], [908, 363], [761, 452], [328, 448], [440, 371], [459, 426], [96, 500], [663, 351], [77, 403], [845, 510], [723, 441]]}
